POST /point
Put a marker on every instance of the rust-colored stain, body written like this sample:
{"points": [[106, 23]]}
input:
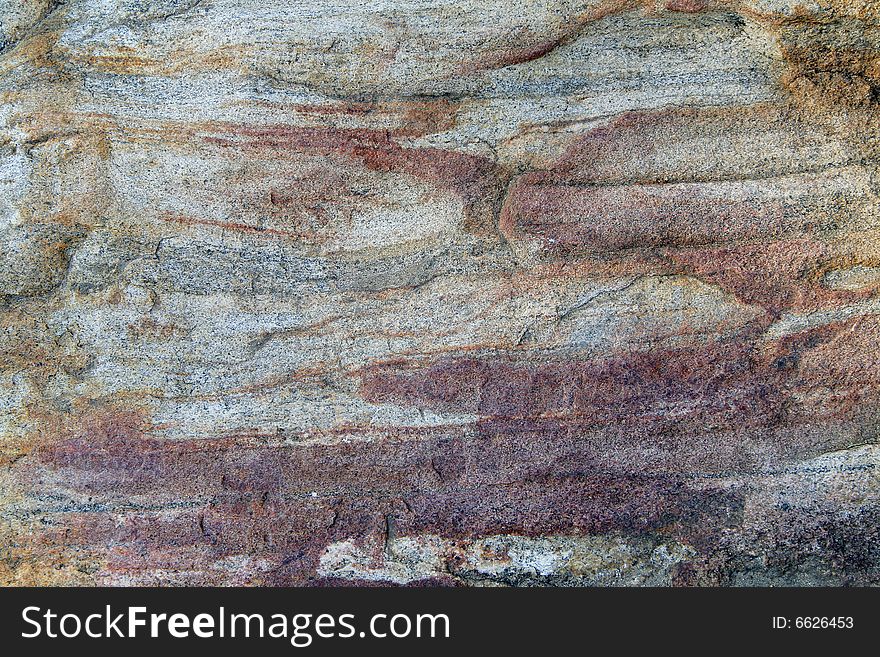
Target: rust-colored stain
{"points": [[444, 296]]}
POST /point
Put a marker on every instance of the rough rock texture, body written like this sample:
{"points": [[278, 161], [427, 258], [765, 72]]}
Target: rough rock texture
{"points": [[440, 292]]}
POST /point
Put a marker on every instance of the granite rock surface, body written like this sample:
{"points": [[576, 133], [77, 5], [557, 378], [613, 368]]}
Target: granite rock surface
{"points": [[440, 292]]}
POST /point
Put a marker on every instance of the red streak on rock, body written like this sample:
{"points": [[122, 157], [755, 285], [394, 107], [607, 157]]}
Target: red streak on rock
{"points": [[687, 6], [474, 179], [779, 275], [723, 384], [225, 225], [571, 220], [512, 57]]}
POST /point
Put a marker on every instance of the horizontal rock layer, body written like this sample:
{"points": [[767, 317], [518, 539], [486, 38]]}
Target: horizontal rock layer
{"points": [[428, 292]]}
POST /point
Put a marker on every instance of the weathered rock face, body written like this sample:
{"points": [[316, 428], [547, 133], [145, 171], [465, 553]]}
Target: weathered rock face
{"points": [[429, 291]]}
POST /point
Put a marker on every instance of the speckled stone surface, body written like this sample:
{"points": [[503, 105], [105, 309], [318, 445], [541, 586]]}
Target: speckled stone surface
{"points": [[440, 292]]}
